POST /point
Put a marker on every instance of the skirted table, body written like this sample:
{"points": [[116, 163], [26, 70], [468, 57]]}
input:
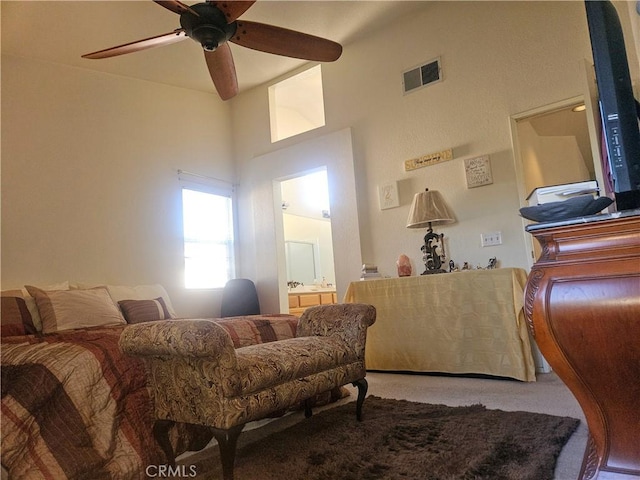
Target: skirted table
{"points": [[469, 322]]}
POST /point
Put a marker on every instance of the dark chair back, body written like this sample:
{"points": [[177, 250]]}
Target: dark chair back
{"points": [[239, 297]]}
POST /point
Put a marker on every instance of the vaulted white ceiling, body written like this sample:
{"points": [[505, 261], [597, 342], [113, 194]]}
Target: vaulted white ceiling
{"points": [[62, 31]]}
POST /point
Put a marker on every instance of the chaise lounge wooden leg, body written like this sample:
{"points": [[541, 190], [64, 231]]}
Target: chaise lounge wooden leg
{"points": [[161, 434], [307, 408], [363, 386], [227, 441]]}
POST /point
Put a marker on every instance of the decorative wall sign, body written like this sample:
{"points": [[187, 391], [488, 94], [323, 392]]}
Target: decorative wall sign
{"points": [[388, 195], [429, 159], [478, 171]]}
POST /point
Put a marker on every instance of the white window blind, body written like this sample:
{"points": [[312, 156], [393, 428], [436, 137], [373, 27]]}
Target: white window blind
{"points": [[208, 236]]}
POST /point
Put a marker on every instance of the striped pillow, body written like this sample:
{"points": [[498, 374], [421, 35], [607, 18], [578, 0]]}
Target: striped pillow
{"points": [[15, 317], [138, 311]]}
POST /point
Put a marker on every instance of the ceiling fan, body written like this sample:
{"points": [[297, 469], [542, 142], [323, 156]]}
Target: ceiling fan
{"points": [[213, 24]]}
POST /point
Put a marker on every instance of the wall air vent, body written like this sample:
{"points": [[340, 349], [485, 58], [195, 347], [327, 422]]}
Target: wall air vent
{"points": [[422, 75]]}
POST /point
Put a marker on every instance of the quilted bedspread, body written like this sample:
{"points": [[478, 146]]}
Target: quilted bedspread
{"points": [[74, 407]]}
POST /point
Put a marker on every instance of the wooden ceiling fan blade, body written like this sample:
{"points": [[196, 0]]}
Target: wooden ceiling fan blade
{"points": [[223, 71], [289, 43], [233, 10], [157, 41], [176, 7]]}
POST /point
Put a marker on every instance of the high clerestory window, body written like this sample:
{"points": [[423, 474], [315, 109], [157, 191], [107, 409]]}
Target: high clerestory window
{"points": [[296, 105]]}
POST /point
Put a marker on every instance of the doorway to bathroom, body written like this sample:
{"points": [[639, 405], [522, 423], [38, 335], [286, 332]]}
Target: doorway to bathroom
{"points": [[306, 221]]}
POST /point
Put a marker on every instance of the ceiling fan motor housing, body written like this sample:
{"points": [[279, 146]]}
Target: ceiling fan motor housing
{"points": [[210, 29]]}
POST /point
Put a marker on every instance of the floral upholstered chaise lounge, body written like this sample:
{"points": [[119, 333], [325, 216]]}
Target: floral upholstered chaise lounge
{"points": [[198, 377]]}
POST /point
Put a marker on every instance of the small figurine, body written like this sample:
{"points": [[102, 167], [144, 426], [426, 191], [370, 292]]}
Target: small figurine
{"points": [[452, 266], [493, 263], [466, 266]]}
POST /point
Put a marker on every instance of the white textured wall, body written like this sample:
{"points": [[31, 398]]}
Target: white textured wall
{"points": [[89, 190], [550, 160], [89, 182], [499, 59]]}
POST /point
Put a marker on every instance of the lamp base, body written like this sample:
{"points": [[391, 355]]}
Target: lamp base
{"points": [[430, 256], [429, 272]]}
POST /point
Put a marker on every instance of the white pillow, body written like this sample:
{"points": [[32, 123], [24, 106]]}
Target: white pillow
{"points": [[69, 309]]}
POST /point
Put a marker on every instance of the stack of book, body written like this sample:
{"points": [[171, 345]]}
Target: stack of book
{"points": [[369, 271]]}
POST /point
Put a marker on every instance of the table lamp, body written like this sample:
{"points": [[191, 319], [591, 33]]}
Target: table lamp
{"points": [[428, 207]]}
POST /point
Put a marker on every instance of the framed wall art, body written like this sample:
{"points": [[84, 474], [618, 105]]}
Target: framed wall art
{"points": [[478, 171], [388, 195]]}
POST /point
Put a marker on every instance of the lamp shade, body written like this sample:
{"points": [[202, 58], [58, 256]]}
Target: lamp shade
{"points": [[428, 207]]}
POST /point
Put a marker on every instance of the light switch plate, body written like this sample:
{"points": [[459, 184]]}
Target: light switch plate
{"points": [[490, 239]]}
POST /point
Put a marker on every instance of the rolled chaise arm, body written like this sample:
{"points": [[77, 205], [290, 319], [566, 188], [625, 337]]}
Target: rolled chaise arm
{"points": [[198, 361], [190, 338], [348, 321], [192, 368]]}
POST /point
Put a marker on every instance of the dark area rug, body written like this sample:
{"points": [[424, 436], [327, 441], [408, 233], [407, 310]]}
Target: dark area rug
{"points": [[404, 440]]}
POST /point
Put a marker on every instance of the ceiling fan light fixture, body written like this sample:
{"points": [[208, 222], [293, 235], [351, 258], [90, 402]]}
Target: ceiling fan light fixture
{"points": [[209, 36]]}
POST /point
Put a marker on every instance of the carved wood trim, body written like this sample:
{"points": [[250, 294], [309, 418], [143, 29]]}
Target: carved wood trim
{"points": [[546, 252], [590, 461], [533, 284]]}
